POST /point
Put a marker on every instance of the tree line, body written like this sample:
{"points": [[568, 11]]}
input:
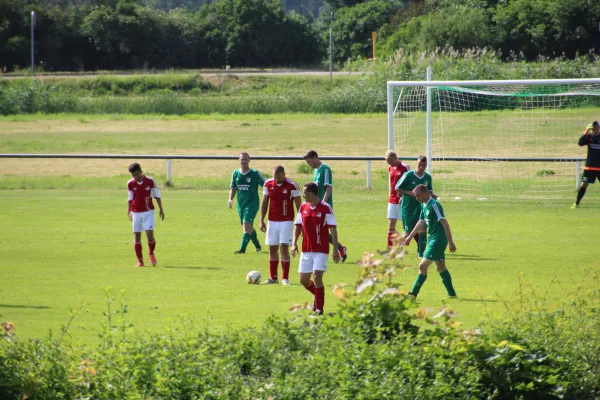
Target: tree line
{"points": [[76, 35]]}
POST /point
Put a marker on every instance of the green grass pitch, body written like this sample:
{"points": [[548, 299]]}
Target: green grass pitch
{"points": [[61, 248]]}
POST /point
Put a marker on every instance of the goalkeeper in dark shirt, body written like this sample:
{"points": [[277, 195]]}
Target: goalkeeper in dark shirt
{"points": [[591, 139]]}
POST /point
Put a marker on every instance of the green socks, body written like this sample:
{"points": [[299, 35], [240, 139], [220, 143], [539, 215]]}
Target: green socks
{"points": [[418, 283], [254, 239], [245, 240], [447, 281], [422, 244]]}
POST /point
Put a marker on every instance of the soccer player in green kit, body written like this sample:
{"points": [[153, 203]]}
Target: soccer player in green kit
{"points": [[440, 237], [410, 208], [245, 182], [324, 180]]}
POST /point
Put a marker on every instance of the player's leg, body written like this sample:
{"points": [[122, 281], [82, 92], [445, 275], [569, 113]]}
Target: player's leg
{"points": [[136, 222], [272, 240], [249, 228], [446, 278], [320, 261], [588, 177], [305, 272], [393, 217], [245, 236], [285, 241], [421, 278], [148, 226], [422, 241]]}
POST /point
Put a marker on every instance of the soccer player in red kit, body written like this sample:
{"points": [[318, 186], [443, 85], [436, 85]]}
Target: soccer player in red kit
{"points": [[315, 221], [140, 210], [279, 196], [396, 169]]}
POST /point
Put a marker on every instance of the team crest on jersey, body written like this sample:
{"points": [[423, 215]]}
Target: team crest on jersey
{"points": [[318, 215], [248, 180], [147, 187], [134, 189], [284, 191]]}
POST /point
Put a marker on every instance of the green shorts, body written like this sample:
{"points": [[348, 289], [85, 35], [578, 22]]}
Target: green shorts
{"points": [[409, 222], [247, 214], [435, 250]]}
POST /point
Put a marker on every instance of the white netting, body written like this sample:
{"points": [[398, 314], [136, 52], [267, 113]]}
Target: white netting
{"points": [[498, 122]]}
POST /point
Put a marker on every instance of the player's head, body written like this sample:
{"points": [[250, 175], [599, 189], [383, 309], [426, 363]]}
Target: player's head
{"points": [[244, 159], [136, 172], [421, 165], [596, 128], [311, 192], [279, 174], [391, 158], [312, 159], [421, 193]]}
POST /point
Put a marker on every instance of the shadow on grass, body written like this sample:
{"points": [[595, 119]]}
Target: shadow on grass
{"points": [[468, 257], [207, 268], [479, 300], [22, 306]]}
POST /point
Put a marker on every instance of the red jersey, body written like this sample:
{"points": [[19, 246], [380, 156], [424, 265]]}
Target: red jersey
{"points": [[395, 175], [141, 193], [281, 199], [315, 225]]}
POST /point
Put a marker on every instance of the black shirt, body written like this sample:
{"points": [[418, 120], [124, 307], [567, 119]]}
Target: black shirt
{"points": [[593, 155]]}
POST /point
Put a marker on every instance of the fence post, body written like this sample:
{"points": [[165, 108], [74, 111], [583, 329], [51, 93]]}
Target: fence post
{"points": [[169, 181], [577, 174], [369, 174]]}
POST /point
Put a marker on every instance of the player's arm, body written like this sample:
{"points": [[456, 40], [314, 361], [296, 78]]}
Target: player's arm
{"points": [[446, 226], [129, 202], [327, 182], [328, 191], [297, 234], [400, 187], [334, 240], [298, 202], [156, 194], [264, 206], [232, 190], [416, 229]]}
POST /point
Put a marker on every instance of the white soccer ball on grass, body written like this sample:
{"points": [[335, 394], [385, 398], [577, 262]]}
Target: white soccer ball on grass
{"points": [[253, 277]]}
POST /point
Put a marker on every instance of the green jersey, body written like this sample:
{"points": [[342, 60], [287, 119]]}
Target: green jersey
{"points": [[410, 207], [247, 187], [323, 178], [432, 213]]}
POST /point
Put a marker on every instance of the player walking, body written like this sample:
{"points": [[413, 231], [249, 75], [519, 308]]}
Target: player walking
{"points": [[410, 209], [440, 236], [245, 182], [324, 180], [140, 210], [315, 221], [396, 169], [279, 196], [591, 171]]}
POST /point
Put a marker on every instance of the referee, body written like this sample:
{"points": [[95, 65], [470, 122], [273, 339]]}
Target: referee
{"points": [[591, 139]]}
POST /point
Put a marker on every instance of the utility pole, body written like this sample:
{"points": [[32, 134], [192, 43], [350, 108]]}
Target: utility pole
{"points": [[331, 48], [32, 42]]}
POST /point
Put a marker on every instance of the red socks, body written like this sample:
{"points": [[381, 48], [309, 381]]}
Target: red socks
{"points": [[273, 264], [391, 234], [151, 246], [319, 298], [285, 269], [311, 288], [138, 251]]}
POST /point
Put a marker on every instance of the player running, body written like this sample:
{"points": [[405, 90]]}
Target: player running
{"points": [[245, 182], [279, 196], [315, 221], [324, 180], [591, 171], [396, 169], [440, 236], [410, 209], [140, 210]]}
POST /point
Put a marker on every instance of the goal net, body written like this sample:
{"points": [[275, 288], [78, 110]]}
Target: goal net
{"points": [[489, 139]]}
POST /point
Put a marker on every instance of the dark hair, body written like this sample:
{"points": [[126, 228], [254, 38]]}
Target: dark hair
{"points": [[243, 153], [278, 169], [595, 124], [422, 158], [312, 188], [135, 167], [311, 154]]}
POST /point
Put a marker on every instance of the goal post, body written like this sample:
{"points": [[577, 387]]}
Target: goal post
{"points": [[495, 138]]}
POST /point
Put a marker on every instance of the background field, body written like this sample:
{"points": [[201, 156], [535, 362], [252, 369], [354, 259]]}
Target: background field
{"points": [[63, 247]]}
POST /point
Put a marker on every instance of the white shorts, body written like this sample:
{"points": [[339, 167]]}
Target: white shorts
{"points": [[279, 232], [394, 211], [143, 221], [310, 262]]}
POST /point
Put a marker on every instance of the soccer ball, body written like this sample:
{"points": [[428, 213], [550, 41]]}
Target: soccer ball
{"points": [[253, 277]]}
